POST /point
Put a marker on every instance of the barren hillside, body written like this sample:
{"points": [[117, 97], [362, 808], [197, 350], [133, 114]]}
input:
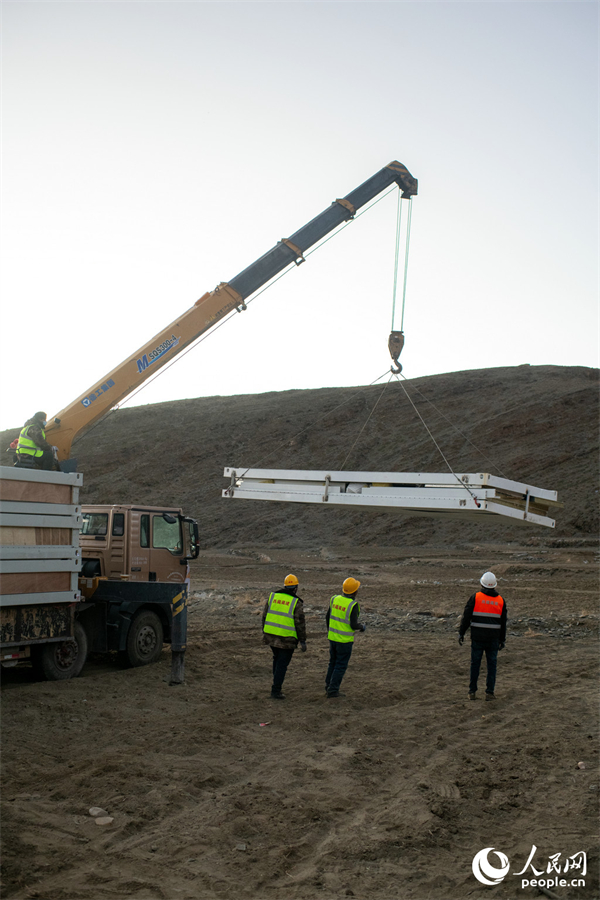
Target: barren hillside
{"points": [[536, 424]]}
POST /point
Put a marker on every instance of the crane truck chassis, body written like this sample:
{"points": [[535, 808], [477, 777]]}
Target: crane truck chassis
{"points": [[75, 580]]}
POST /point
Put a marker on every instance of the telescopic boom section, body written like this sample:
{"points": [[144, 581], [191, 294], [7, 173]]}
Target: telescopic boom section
{"points": [[211, 308]]}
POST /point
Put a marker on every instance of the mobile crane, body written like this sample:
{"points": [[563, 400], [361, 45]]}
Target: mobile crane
{"points": [[115, 577], [212, 306]]}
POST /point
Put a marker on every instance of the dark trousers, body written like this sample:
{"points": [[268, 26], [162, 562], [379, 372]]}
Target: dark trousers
{"points": [[478, 648], [339, 657], [45, 461], [281, 660]]}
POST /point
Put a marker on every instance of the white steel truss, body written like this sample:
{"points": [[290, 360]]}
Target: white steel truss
{"points": [[439, 495]]}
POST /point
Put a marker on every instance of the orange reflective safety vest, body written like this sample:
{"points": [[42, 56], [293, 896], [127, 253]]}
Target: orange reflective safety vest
{"points": [[487, 612]]}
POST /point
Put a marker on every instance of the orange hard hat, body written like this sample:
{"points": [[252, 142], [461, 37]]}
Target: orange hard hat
{"points": [[290, 580], [350, 586]]}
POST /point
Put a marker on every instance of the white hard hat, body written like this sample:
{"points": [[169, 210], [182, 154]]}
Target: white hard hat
{"points": [[488, 580]]}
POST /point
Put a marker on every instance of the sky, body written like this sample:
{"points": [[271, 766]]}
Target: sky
{"points": [[151, 150]]}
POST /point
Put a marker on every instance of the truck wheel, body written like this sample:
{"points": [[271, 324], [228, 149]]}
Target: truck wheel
{"points": [[144, 640], [59, 661]]}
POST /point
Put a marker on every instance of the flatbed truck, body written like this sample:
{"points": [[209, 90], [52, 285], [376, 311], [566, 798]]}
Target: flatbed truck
{"points": [[75, 580], [65, 587]]}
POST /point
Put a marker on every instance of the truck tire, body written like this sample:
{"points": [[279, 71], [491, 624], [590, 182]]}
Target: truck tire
{"points": [[144, 639], [59, 661]]}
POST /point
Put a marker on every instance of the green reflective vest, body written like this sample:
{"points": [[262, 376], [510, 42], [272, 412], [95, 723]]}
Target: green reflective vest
{"points": [[280, 615], [26, 445], [340, 609]]}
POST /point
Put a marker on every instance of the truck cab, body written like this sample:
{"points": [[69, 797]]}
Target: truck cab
{"points": [[95, 579], [137, 543]]}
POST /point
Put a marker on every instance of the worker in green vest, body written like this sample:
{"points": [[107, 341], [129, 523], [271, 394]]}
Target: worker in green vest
{"points": [[33, 450], [342, 623], [284, 627]]}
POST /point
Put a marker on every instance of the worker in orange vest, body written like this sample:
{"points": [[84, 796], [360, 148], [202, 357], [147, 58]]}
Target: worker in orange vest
{"points": [[485, 615]]}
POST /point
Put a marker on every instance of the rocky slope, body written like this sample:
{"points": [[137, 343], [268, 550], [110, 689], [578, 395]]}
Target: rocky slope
{"points": [[536, 424]]}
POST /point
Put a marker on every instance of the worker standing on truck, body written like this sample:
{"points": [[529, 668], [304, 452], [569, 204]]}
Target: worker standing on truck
{"points": [[485, 615], [342, 623], [33, 450], [284, 627]]}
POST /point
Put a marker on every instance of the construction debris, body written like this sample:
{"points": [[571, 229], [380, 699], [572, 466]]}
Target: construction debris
{"points": [[445, 495]]}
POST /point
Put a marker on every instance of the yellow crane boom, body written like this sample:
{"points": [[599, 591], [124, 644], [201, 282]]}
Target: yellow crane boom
{"points": [[90, 406]]}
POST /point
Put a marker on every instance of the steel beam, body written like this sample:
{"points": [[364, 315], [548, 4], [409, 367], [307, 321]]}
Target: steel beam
{"points": [[461, 495]]}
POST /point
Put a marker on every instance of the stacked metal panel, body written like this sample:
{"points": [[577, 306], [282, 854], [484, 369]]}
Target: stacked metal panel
{"points": [[439, 495], [40, 518]]}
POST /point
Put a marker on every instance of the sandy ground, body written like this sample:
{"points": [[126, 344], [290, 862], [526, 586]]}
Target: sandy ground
{"points": [[216, 791]]}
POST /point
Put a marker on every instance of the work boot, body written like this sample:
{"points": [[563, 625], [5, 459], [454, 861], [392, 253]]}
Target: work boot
{"points": [[277, 695], [472, 695], [489, 696], [331, 694]]}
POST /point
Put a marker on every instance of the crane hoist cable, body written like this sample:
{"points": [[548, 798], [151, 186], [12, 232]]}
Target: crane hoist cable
{"points": [[255, 297], [232, 315], [396, 338]]}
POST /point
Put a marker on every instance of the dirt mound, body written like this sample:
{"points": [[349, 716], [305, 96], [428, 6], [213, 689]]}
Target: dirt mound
{"points": [[533, 423]]}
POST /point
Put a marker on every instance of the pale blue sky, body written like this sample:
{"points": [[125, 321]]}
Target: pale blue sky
{"points": [[152, 150]]}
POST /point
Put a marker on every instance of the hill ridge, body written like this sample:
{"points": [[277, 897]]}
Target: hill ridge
{"points": [[537, 424]]}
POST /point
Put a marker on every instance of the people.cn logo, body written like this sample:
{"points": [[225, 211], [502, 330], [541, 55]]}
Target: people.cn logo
{"points": [[485, 872]]}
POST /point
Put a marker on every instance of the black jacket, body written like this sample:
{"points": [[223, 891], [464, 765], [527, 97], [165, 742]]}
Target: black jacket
{"points": [[483, 634]]}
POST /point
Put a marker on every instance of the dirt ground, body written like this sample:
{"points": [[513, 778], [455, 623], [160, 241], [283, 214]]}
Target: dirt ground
{"points": [[216, 791]]}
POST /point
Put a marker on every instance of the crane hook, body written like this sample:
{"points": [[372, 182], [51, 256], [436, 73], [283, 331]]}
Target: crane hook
{"points": [[395, 345]]}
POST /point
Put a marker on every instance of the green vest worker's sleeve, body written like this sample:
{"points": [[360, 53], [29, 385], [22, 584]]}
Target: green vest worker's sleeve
{"points": [[300, 620]]}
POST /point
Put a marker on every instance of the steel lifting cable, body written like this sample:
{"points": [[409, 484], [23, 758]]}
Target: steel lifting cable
{"points": [[304, 430], [348, 222], [462, 434], [440, 451], [311, 425], [364, 425], [160, 372]]}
